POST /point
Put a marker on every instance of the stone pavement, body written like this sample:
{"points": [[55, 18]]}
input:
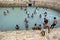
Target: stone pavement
{"points": [[30, 35]]}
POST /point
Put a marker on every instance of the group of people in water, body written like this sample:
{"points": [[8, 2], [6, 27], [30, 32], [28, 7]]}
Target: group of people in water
{"points": [[6, 12], [36, 27], [45, 23]]}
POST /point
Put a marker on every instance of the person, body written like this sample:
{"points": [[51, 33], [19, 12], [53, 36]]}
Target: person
{"points": [[54, 23], [45, 14], [17, 27], [35, 11], [45, 24], [40, 16], [26, 23], [32, 15], [4, 13], [35, 27], [28, 15], [26, 11], [7, 11]]}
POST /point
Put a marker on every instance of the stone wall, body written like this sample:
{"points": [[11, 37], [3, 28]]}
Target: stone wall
{"points": [[53, 4]]}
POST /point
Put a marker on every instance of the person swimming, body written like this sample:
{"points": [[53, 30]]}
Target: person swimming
{"points": [[32, 15], [26, 23], [7, 11], [4, 13], [28, 16], [40, 16], [17, 27]]}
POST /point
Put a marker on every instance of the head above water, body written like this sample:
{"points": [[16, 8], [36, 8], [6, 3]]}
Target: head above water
{"points": [[54, 17], [40, 25], [35, 24], [16, 25]]}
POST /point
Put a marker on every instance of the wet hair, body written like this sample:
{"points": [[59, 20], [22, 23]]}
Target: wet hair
{"points": [[46, 21], [40, 25], [54, 17], [17, 25], [35, 24]]}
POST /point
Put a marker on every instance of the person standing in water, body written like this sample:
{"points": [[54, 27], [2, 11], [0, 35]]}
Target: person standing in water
{"points": [[26, 23], [4, 13], [40, 16], [45, 14], [32, 15], [7, 11], [54, 23], [28, 15]]}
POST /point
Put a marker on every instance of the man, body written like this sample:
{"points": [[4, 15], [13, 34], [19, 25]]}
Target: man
{"points": [[54, 23]]}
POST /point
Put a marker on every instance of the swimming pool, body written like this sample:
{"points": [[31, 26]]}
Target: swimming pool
{"points": [[17, 15]]}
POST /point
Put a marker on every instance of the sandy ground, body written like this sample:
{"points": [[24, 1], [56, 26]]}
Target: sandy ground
{"points": [[30, 35]]}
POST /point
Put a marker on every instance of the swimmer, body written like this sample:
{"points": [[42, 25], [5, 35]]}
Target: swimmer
{"points": [[28, 15], [26, 23], [40, 16], [25, 9], [5, 13], [54, 23], [35, 12], [32, 15], [45, 14], [17, 27]]}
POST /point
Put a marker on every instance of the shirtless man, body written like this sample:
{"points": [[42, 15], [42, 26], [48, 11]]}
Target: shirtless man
{"points": [[46, 25], [54, 23]]}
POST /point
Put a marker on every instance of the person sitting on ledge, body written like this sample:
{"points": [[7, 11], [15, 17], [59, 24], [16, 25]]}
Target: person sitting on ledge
{"points": [[45, 14], [36, 27], [39, 27], [17, 27]]}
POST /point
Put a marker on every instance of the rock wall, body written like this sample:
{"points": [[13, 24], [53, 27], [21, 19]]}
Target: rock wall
{"points": [[53, 4]]}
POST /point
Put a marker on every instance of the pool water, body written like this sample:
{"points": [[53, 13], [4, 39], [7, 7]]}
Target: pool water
{"points": [[17, 15]]}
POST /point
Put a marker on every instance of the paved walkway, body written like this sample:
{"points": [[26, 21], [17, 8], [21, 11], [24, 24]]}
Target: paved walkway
{"points": [[30, 35]]}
